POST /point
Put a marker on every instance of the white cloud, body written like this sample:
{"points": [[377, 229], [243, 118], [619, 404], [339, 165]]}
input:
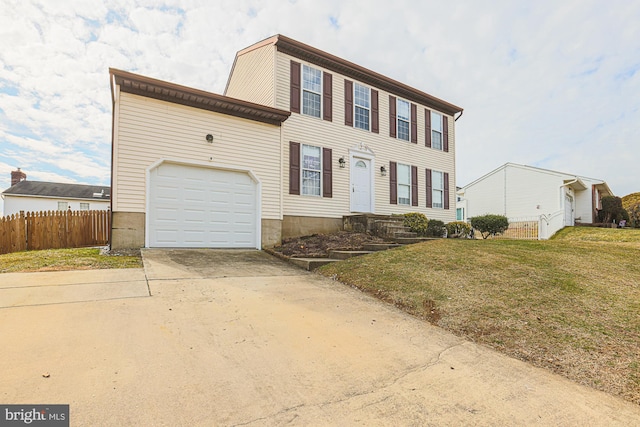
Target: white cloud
{"points": [[545, 83]]}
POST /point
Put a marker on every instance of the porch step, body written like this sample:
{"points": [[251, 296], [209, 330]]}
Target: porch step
{"points": [[380, 246], [347, 254], [311, 263], [405, 234], [412, 240]]}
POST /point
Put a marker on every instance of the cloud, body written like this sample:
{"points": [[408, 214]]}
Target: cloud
{"points": [[542, 83]]}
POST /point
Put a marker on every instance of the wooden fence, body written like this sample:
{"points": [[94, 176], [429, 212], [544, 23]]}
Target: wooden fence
{"points": [[54, 229]]}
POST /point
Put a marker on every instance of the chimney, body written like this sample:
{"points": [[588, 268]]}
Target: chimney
{"points": [[17, 176]]}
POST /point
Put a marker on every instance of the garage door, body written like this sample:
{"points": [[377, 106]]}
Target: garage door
{"points": [[198, 207]]}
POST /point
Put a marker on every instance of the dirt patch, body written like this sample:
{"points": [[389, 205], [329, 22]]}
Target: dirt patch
{"points": [[319, 245]]}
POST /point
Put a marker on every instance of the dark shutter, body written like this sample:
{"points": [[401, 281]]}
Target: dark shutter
{"points": [[414, 186], [414, 123], [445, 133], [375, 121], [348, 103], [327, 92], [429, 189], [294, 97], [427, 126], [327, 168], [392, 116], [393, 183], [294, 168], [446, 190]]}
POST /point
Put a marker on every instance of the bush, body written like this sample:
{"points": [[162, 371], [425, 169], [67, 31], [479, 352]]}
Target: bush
{"points": [[612, 210], [417, 223], [631, 203], [436, 228], [457, 229], [490, 225]]}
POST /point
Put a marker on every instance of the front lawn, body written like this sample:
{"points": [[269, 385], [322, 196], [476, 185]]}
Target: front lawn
{"points": [[64, 259], [570, 305]]}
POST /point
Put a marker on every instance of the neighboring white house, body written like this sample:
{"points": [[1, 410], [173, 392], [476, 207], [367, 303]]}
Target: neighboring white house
{"points": [[299, 139], [37, 196], [516, 191]]}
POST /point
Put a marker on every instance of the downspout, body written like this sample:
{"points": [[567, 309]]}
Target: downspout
{"points": [[113, 118]]}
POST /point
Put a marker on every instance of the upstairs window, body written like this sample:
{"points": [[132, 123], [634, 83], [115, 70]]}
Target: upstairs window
{"points": [[436, 131], [311, 91], [404, 184], [84, 206], [362, 104], [403, 117]]}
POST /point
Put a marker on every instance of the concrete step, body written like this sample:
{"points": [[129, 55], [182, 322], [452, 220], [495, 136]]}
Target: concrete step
{"points": [[347, 254], [311, 263], [412, 240], [380, 246], [405, 234]]}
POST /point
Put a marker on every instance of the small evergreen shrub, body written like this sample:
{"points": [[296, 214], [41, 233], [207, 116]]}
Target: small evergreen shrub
{"points": [[435, 228], [490, 225], [417, 223], [458, 229], [612, 210]]}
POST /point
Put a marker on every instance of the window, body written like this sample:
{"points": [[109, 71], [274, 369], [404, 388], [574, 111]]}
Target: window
{"points": [[459, 214], [436, 131], [311, 170], [63, 206], [84, 206], [311, 91], [362, 106], [403, 120], [438, 189], [404, 184]]}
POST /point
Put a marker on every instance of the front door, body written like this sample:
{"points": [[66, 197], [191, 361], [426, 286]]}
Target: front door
{"points": [[568, 210], [361, 185]]}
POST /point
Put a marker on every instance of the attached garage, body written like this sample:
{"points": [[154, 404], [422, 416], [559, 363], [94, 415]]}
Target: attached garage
{"points": [[195, 206]]}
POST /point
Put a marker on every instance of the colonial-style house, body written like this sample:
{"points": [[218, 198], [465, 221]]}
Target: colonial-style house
{"points": [[300, 139], [40, 196]]}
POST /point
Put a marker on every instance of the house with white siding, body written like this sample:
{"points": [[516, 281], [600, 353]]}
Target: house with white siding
{"points": [[39, 196], [522, 192], [300, 139]]}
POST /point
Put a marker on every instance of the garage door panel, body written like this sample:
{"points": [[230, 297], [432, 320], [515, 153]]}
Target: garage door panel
{"points": [[193, 206]]}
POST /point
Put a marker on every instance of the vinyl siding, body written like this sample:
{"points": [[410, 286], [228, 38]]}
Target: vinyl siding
{"points": [[15, 204], [148, 130], [252, 77], [339, 137], [487, 195], [531, 192]]}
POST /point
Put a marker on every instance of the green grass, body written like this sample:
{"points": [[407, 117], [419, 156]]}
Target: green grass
{"points": [[64, 259], [571, 304]]}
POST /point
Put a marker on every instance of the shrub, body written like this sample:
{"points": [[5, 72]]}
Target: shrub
{"points": [[435, 228], [631, 203], [612, 210], [458, 229], [490, 225], [417, 222]]}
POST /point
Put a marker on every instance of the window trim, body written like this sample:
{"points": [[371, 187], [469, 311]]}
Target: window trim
{"points": [[407, 121], [85, 208], [319, 170], [356, 106], [434, 131], [303, 89], [440, 190]]}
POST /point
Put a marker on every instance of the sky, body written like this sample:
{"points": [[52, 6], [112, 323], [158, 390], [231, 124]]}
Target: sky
{"points": [[552, 84]]}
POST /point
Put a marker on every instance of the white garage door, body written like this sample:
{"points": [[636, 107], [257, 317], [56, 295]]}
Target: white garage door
{"points": [[198, 207]]}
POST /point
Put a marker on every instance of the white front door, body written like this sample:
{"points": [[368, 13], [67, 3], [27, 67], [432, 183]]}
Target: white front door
{"points": [[361, 185]]}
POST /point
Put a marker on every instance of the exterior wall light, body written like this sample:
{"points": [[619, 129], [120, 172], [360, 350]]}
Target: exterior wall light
{"points": [[383, 171], [342, 162], [209, 138]]}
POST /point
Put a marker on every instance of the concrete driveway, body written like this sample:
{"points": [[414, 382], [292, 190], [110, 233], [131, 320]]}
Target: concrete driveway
{"points": [[240, 338]]}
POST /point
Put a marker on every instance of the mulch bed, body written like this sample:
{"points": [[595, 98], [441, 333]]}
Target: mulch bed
{"points": [[319, 245]]}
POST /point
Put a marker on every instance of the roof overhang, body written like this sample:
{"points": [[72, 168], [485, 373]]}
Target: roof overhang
{"points": [[183, 95], [604, 189], [576, 183], [316, 56]]}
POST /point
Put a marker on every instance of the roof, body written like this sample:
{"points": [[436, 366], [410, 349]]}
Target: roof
{"points": [[573, 180], [59, 190], [342, 66], [177, 94]]}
